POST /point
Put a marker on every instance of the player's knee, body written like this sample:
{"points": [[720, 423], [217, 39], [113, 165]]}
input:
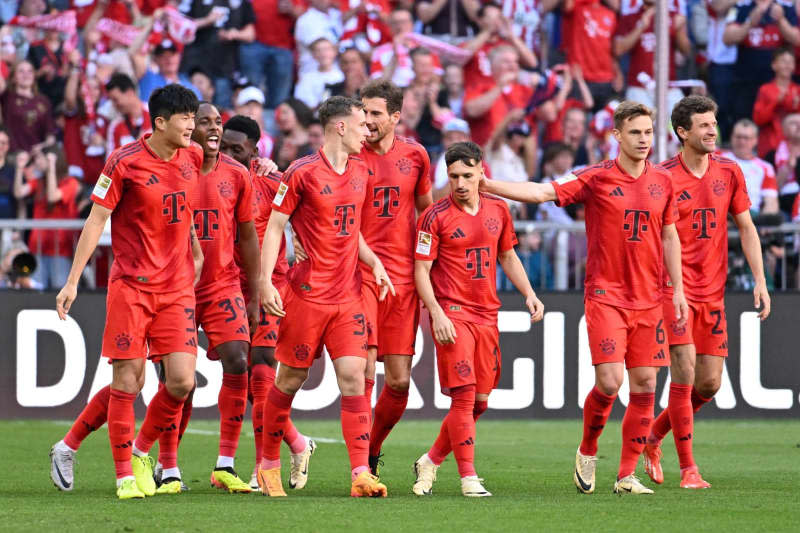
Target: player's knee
{"points": [[235, 363], [180, 387], [289, 380], [262, 355], [608, 384], [708, 387], [351, 383], [682, 371], [398, 383]]}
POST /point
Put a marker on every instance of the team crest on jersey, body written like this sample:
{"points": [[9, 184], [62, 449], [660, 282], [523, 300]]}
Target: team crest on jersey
{"points": [[463, 369], [493, 225], [357, 183], [225, 189], [656, 191], [123, 341], [609, 346], [719, 187], [302, 351], [404, 165], [424, 243], [678, 330], [102, 186], [187, 171]]}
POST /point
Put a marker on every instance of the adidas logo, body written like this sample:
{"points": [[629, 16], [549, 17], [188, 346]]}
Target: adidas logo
{"points": [[88, 426], [128, 444], [237, 418], [458, 234], [171, 427], [616, 192], [191, 342], [684, 195], [363, 436], [687, 437], [723, 346], [259, 429], [153, 180], [468, 442], [660, 355], [597, 428], [639, 440], [326, 190], [277, 434], [272, 336], [242, 330]]}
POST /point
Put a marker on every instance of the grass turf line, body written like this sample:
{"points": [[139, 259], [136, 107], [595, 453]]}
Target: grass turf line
{"points": [[752, 465]]}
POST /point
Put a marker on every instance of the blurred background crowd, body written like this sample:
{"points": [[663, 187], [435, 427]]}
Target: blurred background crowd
{"points": [[535, 82]]}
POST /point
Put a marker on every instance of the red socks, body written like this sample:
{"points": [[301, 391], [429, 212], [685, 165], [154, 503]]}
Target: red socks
{"points": [[91, 418], [276, 416], [355, 430], [186, 414], [121, 423], [258, 389], [441, 447], [232, 402], [461, 428], [596, 410], [369, 384], [697, 400], [388, 411], [168, 440], [681, 417], [662, 424], [162, 416], [635, 428]]}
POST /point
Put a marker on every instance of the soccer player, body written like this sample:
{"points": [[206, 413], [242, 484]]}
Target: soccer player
{"points": [[323, 194], [460, 240], [631, 235], [240, 140], [708, 188], [146, 188], [399, 182]]}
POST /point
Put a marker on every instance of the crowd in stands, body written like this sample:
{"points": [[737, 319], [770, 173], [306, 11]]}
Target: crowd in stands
{"points": [[534, 82]]}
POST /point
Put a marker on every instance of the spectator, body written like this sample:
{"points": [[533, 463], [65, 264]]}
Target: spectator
{"points": [[721, 60], [221, 26], [786, 161], [200, 79], [250, 103], [17, 269], [132, 120], [23, 37], [759, 175], [535, 260], [448, 20], [575, 136], [355, 75], [316, 135], [635, 34], [758, 28], [511, 152], [84, 127], [526, 19], [310, 88], [558, 160], [455, 130], [320, 20], [775, 100], [424, 101], [54, 194], [292, 118], [8, 204], [29, 112], [392, 60], [588, 32], [454, 86], [269, 61], [48, 58]]}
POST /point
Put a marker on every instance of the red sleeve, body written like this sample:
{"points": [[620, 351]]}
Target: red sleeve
{"points": [[244, 205], [289, 192], [671, 209], [427, 243], [474, 90], [424, 179], [508, 237], [766, 102], [740, 201], [108, 189], [572, 188]]}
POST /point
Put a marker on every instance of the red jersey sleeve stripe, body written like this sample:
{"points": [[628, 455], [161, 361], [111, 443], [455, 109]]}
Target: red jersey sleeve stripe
{"points": [[232, 162], [439, 207], [298, 164], [117, 159]]}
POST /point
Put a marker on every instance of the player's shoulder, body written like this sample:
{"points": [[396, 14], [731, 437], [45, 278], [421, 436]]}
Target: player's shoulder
{"points": [[232, 165], [725, 164], [669, 164], [493, 201], [590, 171], [664, 172], [435, 210], [124, 155], [411, 146], [302, 165]]}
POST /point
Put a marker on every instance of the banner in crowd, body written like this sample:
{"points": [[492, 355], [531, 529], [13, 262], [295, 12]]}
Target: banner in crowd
{"points": [[50, 368]]}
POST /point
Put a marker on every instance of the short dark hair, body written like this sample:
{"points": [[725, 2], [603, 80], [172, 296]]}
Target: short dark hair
{"points": [[121, 81], [687, 107], [629, 109], [245, 125], [782, 50], [337, 106], [171, 100], [467, 152], [391, 93]]}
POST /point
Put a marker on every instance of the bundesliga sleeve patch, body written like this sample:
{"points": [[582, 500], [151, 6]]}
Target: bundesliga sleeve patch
{"points": [[102, 186], [282, 189], [424, 243], [566, 179]]}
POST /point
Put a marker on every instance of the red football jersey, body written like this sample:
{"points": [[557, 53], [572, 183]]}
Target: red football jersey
{"points": [[325, 209], [221, 200], [152, 215], [588, 31], [703, 207], [464, 250], [624, 219], [643, 52], [387, 222], [123, 130]]}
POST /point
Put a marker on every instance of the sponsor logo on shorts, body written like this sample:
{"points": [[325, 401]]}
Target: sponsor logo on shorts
{"points": [[102, 186], [719, 187], [302, 351], [678, 330], [609, 346], [656, 191], [493, 225], [723, 346], [424, 241], [123, 341], [225, 189], [660, 355], [463, 369]]}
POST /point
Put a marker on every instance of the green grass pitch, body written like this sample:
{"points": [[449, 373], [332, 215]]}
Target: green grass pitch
{"points": [[752, 465]]}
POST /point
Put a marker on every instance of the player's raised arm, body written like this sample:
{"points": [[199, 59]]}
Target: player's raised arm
{"points": [[513, 268], [367, 256], [270, 248], [90, 235], [751, 246], [530, 192], [443, 329], [672, 260]]}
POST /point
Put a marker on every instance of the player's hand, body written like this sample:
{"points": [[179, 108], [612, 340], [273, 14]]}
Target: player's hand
{"points": [[382, 280], [64, 299], [443, 329], [761, 300], [681, 308], [271, 300], [265, 166], [299, 252], [535, 307]]}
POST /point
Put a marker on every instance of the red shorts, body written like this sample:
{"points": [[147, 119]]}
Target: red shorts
{"points": [[706, 328], [223, 319], [143, 324], [635, 336], [474, 359], [393, 322], [342, 328], [266, 333]]}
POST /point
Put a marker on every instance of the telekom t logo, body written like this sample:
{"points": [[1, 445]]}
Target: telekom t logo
{"points": [[174, 204], [344, 217], [205, 223], [635, 222], [477, 261], [385, 198], [704, 219]]}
